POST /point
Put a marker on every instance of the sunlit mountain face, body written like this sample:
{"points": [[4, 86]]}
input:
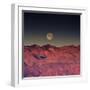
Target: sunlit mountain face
{"points": [[51, 44]]}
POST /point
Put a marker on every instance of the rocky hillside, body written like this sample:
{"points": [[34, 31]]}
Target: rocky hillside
{"points": [[50, 60]]}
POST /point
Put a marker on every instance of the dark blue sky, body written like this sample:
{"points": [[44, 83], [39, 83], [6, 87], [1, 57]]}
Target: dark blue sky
{"points": [[65, 28]]}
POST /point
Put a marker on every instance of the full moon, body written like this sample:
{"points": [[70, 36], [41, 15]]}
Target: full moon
{"points": [[49, 36]]}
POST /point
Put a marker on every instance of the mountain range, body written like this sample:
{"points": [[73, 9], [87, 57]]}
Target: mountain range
{"points": [[49, 60]]}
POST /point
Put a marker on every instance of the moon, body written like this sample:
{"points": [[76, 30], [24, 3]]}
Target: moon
{"points": [[49, 36]]}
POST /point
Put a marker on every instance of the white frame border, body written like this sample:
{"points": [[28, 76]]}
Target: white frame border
{"points": [[16, 52]]}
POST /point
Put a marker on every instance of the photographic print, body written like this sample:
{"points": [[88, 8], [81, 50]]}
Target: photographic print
{"points": [[51, 44], [48, 42]]}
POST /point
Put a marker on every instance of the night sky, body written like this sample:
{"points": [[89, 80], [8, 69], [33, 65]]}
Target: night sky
{"points": [[64, 27]]}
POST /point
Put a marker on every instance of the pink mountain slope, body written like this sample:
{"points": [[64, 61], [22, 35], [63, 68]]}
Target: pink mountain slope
{"points": [[49, 60]]}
